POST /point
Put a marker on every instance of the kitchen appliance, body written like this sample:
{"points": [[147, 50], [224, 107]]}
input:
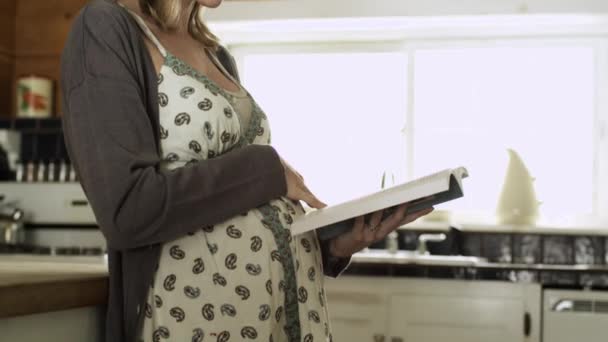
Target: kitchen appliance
{"points": [[57, 220], [570, 315], [34, 97], [11, 225], [10, 142]]}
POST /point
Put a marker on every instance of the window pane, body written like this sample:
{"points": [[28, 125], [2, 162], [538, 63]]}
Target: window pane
{"points": [[335, 117], [473, 103]]}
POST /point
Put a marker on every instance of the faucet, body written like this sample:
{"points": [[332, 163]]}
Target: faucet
{"points": [[11, 226], [424, 238], [392, 242]]}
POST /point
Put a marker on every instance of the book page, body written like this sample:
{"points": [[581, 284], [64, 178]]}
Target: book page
{"points": [[414, 190]]}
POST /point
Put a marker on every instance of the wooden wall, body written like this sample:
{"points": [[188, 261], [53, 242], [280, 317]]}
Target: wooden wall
{"points": [[40, 31], [7, 50]]}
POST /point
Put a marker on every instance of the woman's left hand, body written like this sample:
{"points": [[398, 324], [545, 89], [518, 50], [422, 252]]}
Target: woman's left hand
{"points": [[362, 235]]}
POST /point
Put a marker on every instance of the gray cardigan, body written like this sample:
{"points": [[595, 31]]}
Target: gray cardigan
{"points": [[111, 129]]}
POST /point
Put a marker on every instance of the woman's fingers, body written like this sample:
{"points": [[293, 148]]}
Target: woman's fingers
{"points": [[297, 190], [375, 220], [362, 235], [359, 228], [313, 201], [395, 222], [310, 198], [295, 172], [392, 222], [414, 216]]}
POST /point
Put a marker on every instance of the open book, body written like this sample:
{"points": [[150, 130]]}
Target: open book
{"points": [[421, 193]]}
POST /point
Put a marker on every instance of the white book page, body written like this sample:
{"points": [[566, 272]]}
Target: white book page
{"points": [[395, 195]]}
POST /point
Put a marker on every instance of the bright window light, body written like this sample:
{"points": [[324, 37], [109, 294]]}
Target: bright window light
{"points": [[335, 117], [340, 117], [473, 103]]}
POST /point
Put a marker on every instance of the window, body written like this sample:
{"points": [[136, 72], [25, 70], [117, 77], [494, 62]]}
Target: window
{"points": [[471, 104], [344, 114], [336, 117]]}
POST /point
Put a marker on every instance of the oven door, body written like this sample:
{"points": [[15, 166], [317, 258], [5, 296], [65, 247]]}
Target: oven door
{"points": [[571, 315]]}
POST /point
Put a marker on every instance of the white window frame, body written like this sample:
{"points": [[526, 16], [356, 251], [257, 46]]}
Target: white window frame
{"points": [[407, 35], [600, 195]]}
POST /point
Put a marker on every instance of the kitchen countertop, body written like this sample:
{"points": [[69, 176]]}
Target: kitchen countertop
{"points": [[38, 284], [494, 228], [381, 263], [408, 258]]}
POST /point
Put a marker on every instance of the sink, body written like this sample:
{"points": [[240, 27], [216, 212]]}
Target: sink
{"points": [[448, 260], [381, 256]]}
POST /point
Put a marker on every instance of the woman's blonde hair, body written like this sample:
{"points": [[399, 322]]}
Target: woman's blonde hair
{"points": [[167, 14]]}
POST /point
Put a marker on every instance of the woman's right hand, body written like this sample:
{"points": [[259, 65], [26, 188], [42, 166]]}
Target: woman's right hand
{"points": [[297, 190]]}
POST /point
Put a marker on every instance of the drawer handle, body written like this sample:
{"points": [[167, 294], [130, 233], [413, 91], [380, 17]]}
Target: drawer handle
{"points": [[527, 324], [586, 306], [564, 305], [80, 203]]}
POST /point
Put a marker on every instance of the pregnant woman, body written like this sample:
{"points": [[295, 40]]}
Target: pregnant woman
{"points": [[174, 156]]}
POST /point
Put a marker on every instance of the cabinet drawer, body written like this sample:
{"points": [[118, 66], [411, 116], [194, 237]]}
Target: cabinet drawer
{"points": [[441, 318]]}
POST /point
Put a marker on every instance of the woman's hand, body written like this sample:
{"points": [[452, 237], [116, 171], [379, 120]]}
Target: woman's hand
{"points": [[362, 235], [297, 190]]}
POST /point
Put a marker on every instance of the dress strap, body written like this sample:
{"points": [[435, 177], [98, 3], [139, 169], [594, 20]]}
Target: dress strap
{"points": [[142, 24]]}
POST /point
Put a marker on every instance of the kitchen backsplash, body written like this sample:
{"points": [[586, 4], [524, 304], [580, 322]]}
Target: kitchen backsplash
{"points": [[537, 249], [517, 249]]}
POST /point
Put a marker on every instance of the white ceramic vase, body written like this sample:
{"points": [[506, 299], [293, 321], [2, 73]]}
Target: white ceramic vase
{"points": [[517, 204]]}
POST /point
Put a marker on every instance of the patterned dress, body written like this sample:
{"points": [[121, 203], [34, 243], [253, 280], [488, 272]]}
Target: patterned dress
{"points": [[245, 278]]}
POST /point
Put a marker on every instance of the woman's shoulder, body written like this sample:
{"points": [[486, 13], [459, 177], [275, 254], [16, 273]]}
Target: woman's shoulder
{"points": [[103, 25], [101, 16], [103, 41]]}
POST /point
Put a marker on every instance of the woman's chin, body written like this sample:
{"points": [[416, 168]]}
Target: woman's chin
{"points": [[209, 3]]}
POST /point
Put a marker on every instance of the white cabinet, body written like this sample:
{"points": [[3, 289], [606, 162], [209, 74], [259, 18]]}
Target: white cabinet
{"points": [[358, 313], [429, 310], [465, 311], [75, 325]]}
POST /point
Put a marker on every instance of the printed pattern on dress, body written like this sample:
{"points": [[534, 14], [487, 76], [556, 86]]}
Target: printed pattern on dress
{"points": [[243, 279]]}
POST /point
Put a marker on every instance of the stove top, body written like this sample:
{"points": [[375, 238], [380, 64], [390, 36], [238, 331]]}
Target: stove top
{"points": [[48, 250]]}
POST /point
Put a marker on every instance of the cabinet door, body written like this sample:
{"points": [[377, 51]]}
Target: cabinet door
{"points": [[74, 325], [439, 311], [357, 309]]}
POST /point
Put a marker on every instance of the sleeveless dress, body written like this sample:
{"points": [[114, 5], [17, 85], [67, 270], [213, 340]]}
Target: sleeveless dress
{"points": [[245, 278]]}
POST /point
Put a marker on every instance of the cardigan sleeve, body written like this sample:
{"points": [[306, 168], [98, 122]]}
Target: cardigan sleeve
{"points": [[112, 142], [333, 266]]}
